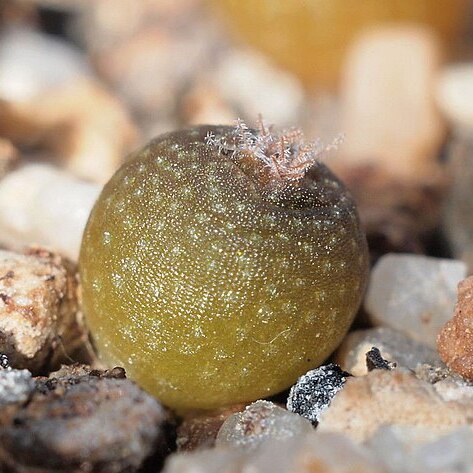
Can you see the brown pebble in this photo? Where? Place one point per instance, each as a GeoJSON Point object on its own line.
{"type": "Point", "coordinates": [84, 420]}
{"type": "Point", "coordinates": [8, 155]}
{"type": "Point", "coordinates": [455, 341]}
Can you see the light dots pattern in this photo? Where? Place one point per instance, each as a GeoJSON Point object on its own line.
{"type": "Point", "coordinates": [192, 273]}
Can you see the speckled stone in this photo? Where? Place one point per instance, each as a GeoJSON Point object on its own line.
{"type": "Point", "coordinates": [314, 391]}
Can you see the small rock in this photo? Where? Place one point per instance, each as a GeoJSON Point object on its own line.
{"type": "Point", "coordinates": [306, 453]}
{"type": "Point", "coordinates": [451, 453]}
{"type": "Point", "coordinates": [215, 460]}
{"type": "Point", "coordinates": [38, 308]}
{"type": "Point", "coordinates": [455, 342]}
{"type": "Point", "coordinates": [200, 430]}
{"type": "Point", "coordinates": [260, 421]}
{"type": "Point", "coordinates": [454, 388]}
{"type": "Point", "coordinates": [389, 112]}
{"type": "Point", "coordinates": [414, 294]}
{"type": "Point", "coordinates": [43, 205]}
{"type": "Point", "coordinates": [392, 344]}
{"type": "Point", "coordinates": [314, 391]}
{"type": "Point", "coordinates": [413, 450]}
{"type": "Point", "coordinates": [145, 67]}
{"type": "Point", "coordinates": [90, 131]}
{"type": "Point", "coordinates": [15, 386]}
{"type": "Point", "coordinates": [394, 397]}
{"type": "Point", "coordinates": [4, 363]}
{"type": "Point", "coordinates": [92, 422]}
{"type": "Point", "coordinates": [449, 385]}
{"type": "Point", "coordinates": [374, 361]}
{"type": "Point", "coordinates": [392, 449]}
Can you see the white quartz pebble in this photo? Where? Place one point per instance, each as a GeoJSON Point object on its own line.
{"type": "Point", "coordinates": [414, 294]}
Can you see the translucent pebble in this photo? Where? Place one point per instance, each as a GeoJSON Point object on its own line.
{"type": "Point", "coordinates": [308, 452]}
{"type": "Point", "coordinates": [260, 421]}
{"type": "Point", "coordinates": [414, 294]}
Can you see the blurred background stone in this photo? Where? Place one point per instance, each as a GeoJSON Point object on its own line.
{"type": "Point", "coordinates": [8, 156]}
{"type": "Point", "coordinates": [32, 63]}
{"type": "Point", "coordinates": [45, 205]}
{"type": "Point", "coordinates": [458, 207]}
{"type": "Point", "coordinates": [414, 450]}
{"type": "Point", "coordinates": [388, 80]}
{"type": "Point", "coordinates": [454, 95]}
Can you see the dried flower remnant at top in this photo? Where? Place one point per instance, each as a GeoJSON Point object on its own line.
{"type": "Point", "coordinates": [283, 153]}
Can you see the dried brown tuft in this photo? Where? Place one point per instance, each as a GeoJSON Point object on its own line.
{"type": "Point", "coordinates": [284, 153]}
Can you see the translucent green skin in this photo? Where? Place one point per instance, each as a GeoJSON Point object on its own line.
{"type": "Point", "coordinates": [208, 288]}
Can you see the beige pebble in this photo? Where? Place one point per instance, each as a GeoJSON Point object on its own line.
{"type": "Point", "coordinates": [81, 125]}
{"type": "Point", "coordinates": [38, 308]}
{"type": "Point", "coordinates": [396, 398]}
{"type": "Point", "coordinates": [95, 130]}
